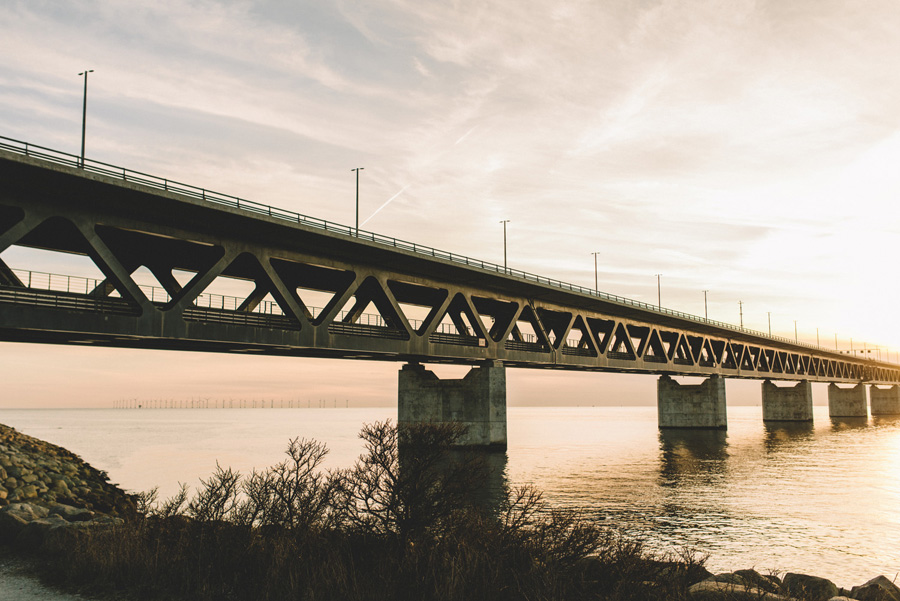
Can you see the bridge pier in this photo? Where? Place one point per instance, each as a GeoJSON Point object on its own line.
{"type": "Point", "coordinates": [477, 401]}
{"type": "Point", "coordinates": [787, 403]}
{"type": "Point", "coordinates": [691, 405]}
{"type": "Point", "coordinates": [847, 402]}
{"type": "Point", "coordinates": [884, 401]}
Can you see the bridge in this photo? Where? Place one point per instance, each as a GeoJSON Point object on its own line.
{"type": "Point", "coordinates": [313, 288]}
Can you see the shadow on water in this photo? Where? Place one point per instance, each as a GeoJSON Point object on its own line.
{"type": "Point", "coordinates": [885, 420]}
{"type": "Point", "coordinates": [487, 469]}
{"type": "Point", "coordinates": [782, 434]}
{"type": "Point", "coordinates": [849, 423]}
{"type": "Point", "coordinates": [492, 489]}
{"type": "Point", "coordinates": [686, 455]}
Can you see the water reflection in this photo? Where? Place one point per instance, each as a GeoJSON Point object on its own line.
{"type": "Point", "coordinates": [780, 435]}
{"type": "Point", "coordinates": [493, 484]}
{"type": "Point", "coordinates": [849, 423]}
{"type": "Point", "coordinates": [689, 455]}
{"type": "Point", "coordinates": [885, 420]}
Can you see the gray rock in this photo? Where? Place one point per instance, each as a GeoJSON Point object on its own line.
{"type": "Point", "coordinates": [33, 511]}
{"type": "Point", "coordinates": [750, 579]}
{"type": "Point", "coordinates": [72, 514]}
{"type": "Point", "coordinates": [10, 525]}
{"type": "Point", "coordinates": [710, 590]}
{"type": "Point", "coordinates": [36, 531]}
{"type": "Point", "coordinates": [812, 588]}
{"type": "Point", "coordinates": [876, 589]}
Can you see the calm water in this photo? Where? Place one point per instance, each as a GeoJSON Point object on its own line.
{"type": "Point", "coordinates": [822, 499]}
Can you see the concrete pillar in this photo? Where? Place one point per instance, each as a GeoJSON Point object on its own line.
{"type": "Point", "coordinates": [477, 401]}
{"type": "Point", "coordinates": [691, 406]}
{"type": "Point", "coordinates": [847, 402]}
{"type": "Point", "coordinates": [884, 401]}
{"type": "Point", "coordinates": [787, 403]}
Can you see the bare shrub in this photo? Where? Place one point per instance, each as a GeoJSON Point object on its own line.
{"type": "Point", "coordinates": [293, 494]}
{"type": "Point", "coordinates": [407, 483]}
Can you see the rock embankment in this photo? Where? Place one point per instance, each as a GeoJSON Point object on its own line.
{"type": "Point", "coordinates": [750, 585]}
{"type": "Point", "coordinates": [44, 487]}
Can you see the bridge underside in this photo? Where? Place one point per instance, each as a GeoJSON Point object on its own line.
{"type": "Point", "coordinates": [173, 272]}
{"type": "Point", "coordinates": [181, 273]}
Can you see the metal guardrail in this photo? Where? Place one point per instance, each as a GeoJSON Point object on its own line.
{"type": "Point", "coordinates": [249, 206]}
{"type": "Point", "coordinates": [224, 306]}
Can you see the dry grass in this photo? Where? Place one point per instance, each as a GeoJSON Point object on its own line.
{"type": "Point", "coordinates": [402, 523]}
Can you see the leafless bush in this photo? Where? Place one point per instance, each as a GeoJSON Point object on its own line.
{"type": "Point", "coordinates": [407, 483]}
{"type": "Point", "coordinates": [293, 494]}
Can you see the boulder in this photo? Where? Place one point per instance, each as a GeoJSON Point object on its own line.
{"type": "Point", "coordinates": [876, 589]}
{"type": "Point", "coordinates": [35, 532]}
{"type": "Point", "coordinates": [750, 579]}
{"type": "Point", "coordinates": [30, 511]}
{"type": "Point", "coordinates": [10, 525]}
{"type": "Point", "coordinates": [710, 590]}
{"type": "Point", "coordinates": [72, 514]}
{"type": "Point", "coordinates": [811, 588]}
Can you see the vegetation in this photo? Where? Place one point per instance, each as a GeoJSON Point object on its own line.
{"type": "Point", "coordinates": [405, 522]}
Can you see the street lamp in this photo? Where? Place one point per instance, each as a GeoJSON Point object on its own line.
{"type": "Point", "coordinates": [770, 322]}
{"type": "Point", "coordinates": [84, 113]}
{"type": "Point", "coordinates": [596, 281]}
{"type": "Point", "coordinates": [795, 332]}
{"type": "Point", "coordinates": [658, 292]}
{"type": "Point", "coordinates": [741, 312]}
{"type": "Point", "coordinates": [358, 169]}
{"type": "Point", "coordinates": [504, 222]}
{"type": "Point", "coordinates": [705, 306]}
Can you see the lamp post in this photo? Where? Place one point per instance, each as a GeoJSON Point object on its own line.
{"type": "Point", "coordinates": [596, 281]}
{"type": "Point", "coordinates": [504, 222]}
{"type": "Point", "coordinates": [795, 332]}
{"type": "Point", "coordinates": [358, 169]}
{"type": "Point", "coordinates": [705, 306]}
{"type": "Point", "coordinates": [84, 113]}
{"type": "Point", "coordinates": [658, 292]}
{"type": "Point", "coordinates": [741, 312]}
{"type": "Point", "coordinates": [770, 322]}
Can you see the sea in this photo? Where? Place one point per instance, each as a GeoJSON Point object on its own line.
{"type": "Point", "coordinates": [820, 498]}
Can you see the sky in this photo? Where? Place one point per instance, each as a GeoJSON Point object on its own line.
{"type": "Point", "coordinates": [743, 147]}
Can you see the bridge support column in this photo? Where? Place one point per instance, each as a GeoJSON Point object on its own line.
{"type": "Point", "coordinates": [477, 401]}
{"type": "Point", "coordinates": [847, 402]}
{"type": "Point", "coordinates": [691, 406]}
{"type": "Point", "coordinates": [884, 401]}
{"type": "Point", "coordinates": [787, 403]}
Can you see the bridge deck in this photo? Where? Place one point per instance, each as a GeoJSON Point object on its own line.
{"type": "Point", "coordinates": [381, 298]}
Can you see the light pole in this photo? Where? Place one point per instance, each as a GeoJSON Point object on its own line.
{"type": "Point", "coordinates": [770, 322]}
{"type": "Point", "coordinates": [358, 169]}
{"type": "Point", "coordinates": [658, 292]}
{"type": "Point", "coordinates": [795, 332]}
{"type": "Point", "coordinates": [504, 222]}
{"type": "Point", "coordinates": [596, 281]}
{"type": "Point", "coordinates": [84, 113]}
{"type": "Point", "coordinates": [741, 311]}
{"type": "Point", "coordinates": [705, 306]}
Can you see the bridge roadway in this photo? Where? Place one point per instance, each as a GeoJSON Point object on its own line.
{"type": "Point", "coordinates": [381, 298]}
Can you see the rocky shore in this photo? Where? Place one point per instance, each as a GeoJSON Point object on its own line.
{"type": "Point", "coordinates": [750, 585]}
{"type": "Point", "coordinates": [44, 488]}
{"type": "Point", "coordinates": [49, 494]}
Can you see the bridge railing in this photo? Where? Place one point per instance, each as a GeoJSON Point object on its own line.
{"type": "Point", "coordinates": [78, 285]}
{"type": "Point", "coordinates": [92, 166]}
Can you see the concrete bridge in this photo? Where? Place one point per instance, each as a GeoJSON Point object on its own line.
{"type": "Point", "coordinates": [318, 289]}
